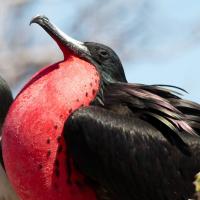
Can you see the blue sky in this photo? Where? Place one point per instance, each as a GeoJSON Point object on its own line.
{"type": "Point", "coordinates": [172, 23]}
{"type": "Point", "coordinates": [183, 69]}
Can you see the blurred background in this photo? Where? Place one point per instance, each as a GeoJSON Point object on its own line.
{"type": "Point", "coordinates": [157, 41]}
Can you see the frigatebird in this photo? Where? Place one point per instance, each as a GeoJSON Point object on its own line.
{"type": "Point", "coordinates": [5, 101]}
{"type": "Point", "coordinates": [6, 191]}
{"type": "Point", "coordinates": [79, 130]}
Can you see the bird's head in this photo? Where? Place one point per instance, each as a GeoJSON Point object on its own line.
{"type": "Point", "coordinates": [101, 56]}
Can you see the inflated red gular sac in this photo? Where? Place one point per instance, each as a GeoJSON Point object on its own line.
{"type": "Point", "coordinates": [79, 131]}
{"type": "Point", "coordinates": [34, 151]}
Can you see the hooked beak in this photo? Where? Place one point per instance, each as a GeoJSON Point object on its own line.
{"type": "Point", "coordinates": [64, 41]}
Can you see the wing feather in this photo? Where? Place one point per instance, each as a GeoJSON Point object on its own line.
{"type": "Point", "coordinates": [129, 156]}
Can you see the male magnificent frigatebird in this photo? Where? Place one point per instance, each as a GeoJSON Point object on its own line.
{"type": "Point", "coordinates": [79, 131]}
{"type": "Point", "coordinates": [6, 191]}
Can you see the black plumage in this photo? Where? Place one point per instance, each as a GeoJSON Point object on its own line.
{"type": "Point", "coordinates": [5, 101]}
{"type": "Point", "coordinates": [135, 141]}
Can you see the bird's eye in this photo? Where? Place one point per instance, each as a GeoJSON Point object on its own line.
{"type": "Point", "coordinates": [103, 53]}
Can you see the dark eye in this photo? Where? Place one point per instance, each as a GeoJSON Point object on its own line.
{"type": "Point", "coordinates": [103, 53]}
